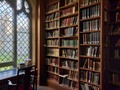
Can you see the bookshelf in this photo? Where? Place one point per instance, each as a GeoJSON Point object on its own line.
{"type": "Point", "coordinates": [52, 40]}
{"type": "Point", "coordinates": [76, 43]}
{"type": "Point", "coordinates": [90, 45]}
{"type": "Point", "coordinates": [114, 45]}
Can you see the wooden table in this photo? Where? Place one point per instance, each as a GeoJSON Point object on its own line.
{"type": "Point", "coordinates": [8, 74]}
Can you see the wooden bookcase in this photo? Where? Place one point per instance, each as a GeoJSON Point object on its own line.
{"type": "Point", "coordinates": [76, 44]}
{"type": "Point", "coordinates": [114, 45]}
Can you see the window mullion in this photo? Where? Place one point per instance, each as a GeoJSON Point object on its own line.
{"type": "Point", "coordinates": [15, 38]}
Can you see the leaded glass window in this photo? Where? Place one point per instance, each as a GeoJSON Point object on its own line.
{"type": "Point", "coordinates": [15, 32]}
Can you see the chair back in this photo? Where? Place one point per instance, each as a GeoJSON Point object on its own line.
{"type": "Point", "coordinates": [25, 74]}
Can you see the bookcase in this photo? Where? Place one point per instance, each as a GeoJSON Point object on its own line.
{"type": "Point", "coordinates": [114, 45]}
{"type": "Point", "coordinates": [76, 43]}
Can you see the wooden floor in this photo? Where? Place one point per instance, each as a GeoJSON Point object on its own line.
{"type": "Point", "coordinates": [44, 88]}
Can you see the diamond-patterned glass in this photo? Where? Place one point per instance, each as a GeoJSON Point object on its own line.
{"type": "Point", "coordinates": [19, 4]}
{"type": "Point", "coordinates": [8, 44]}
{"type": "Point", "coordinates": [26, 7]}
{"type": "Point", "coordinates": [23, 37]}
{"type": "Point", "coordinates": [6, 33]}
{"type": "Point", "coordinates": [6, 68]}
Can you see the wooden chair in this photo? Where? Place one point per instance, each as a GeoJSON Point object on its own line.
{"type": "Point", "coordinates": [4, 85]}
{"type": "Point", "coordinates": [26, 79]}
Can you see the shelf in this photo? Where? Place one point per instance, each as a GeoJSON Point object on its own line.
{"type": "Point", "coordinates": [115, 84]}
{"type": "Point", "coordinates": [64, 47]}
{"type": "Point", "coordinates": [69, 58]}
{"type": "Point", "coordinates": [117, 47]}
{"type": "Point", "coordinates": [53, 73]}
{"type": "Point", "coordinates": [52, 46]}
{"type": "Point", "coordinates": [53, 65]}
{"type": "Point", "coordinates": [118, 59]}
{"type": "Point", "coordinates": [52, 56]}
{"type": "Point", "coordinates": [114, 23]}
{"type": "Point", "coordinates": [114, 71]}
{"type": "Point", "coordinates": [89, 44]}
{"type": "Point", "coordinates": [83, 32]}
{"type": "Point", "coordinates": [76, 80]}
{"type": "Point", "coordinates": [89, 83]}
{"type": "Point", "coordinates": [52, 20]}
{"type": "Point", "coordinates": [114, 34]}
{"type": "Point", "coordinates": [69, 26]}
{"type": "Point", "coordinates": [50, 12]}
{"type": "Point", "coordinates": [86, 69]}
{"type": "Point", "coordinates": [67, 68]}
{"type": "Point", "coordinates": [52, 3]}
{"type": "Point", "coordinates": [92, 18]}
{"type": "Point", "coordinates": [83, 56]}
{"type": "Point", "coordinates": [52, 38]}
{"type": "Point", "coordinates": [69, 5]}
{"type": "Point", "coordinates": [115, 10]}
{"type": "Point", "coordinates": [62, 37]}
{"type": "Point", "coordinates": [70, 15]}
{"type": "Point", "coordinates": [52, 28]}
{"type": "Point", "coordinates": [87, 6]}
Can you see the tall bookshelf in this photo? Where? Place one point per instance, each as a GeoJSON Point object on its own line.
{"type": "Point", "coordinates": [92, 42]}
{"type": "Point", "coordinates": [52, 40]}
{"type": "Point", "coordinates": [114, 45]}
{"type": "Point", "coordinates": [69, 43]}
{"type": "Point", "coordinates": [76, 43]}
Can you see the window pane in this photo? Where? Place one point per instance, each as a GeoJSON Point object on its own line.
{"type": "Point", "coordinates": [26, 7]}
{"type": "Point", "coordinates": [19, 4]}
{"type": "Point", "coordinates": [23, 37]}
{"type": "Point", "coordinates": [6, 32]}
{"type": "Point", "coordinates": [6, 68]}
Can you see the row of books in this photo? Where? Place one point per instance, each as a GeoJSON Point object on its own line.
{"type": "Point", "coordinates": [69, 1]}
{"type": "Point", "coordinates": [69, 53]}
{"type": "Point", "coordinates": [52, 69]}
{"type": "Point", "coordinates": [117, 53]}
{"type": "Point", "coordinates": [69, 83]}
{"type": "Point", "coordinates": [88, 2]}
{"type": "Point", "coordinates": [115, 30]}
{"type": "Point", "coordinates": [69, 11]}
{"type": "Point", "coordinates": [91, 64]}
{"type": "Point", "coordinates": [54, 77]}
{"type": "Point", "coordinates": [51, 34]}
{"type": "Point", "coordinates": [93, 51]}
{"type": "Point", "coordinates": [52, 7]}
{"type": "Point", "coordinates": [94, 65]}
{"type": "Point", "coordinates": [73, 75]}
{"type": "Point", "coordinates": [90, 77]}
{"type": "Point", "coordinates": [53, 42]}
{"type": "Point", "coordinates": [69, 21]}
{"type": "Point", "coordinates": [52, 16]}
{"type": "Point", "coordinates": [72, 31]}
{"type": "Point", "coordinates": [115, 78]}
{"type": "Point", "coordinates": [53, 52]}
{"type": "Point", "coordinates": [85, 86]}
{"type": "Point", "coordinates": [91, 38]}
{"type": "Point", "coordinates": [53, 24]}
{"type": "Point", "coordinates": [91, 25]}
{"type": "Point", "coordinates": [70, 43]}
{"type": "Point", "coordinates": [90, 12]}
{"type": "Point", "coordinates": [118, 43]}
{"type": "Point", "coordinates": [70, 64]}
{"type": "Point", "coordinates": [52, 61]}
{"type": "Point", "coordinates": [118, 17]}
